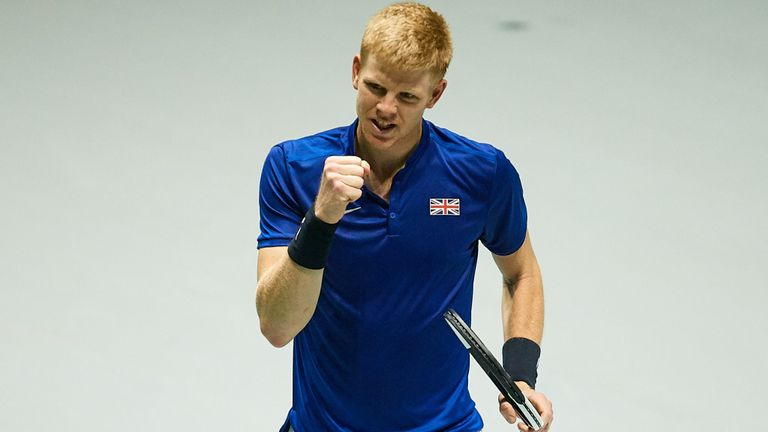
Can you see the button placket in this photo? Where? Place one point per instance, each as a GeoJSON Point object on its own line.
{"type": "Point", "coordinates": [393, 215]}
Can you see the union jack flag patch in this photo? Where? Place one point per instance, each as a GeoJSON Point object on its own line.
{"type": "Point", "coordinates": [444, 207]}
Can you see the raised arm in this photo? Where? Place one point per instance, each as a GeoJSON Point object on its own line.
{"type": "Point", "coordinates": [289, 278]}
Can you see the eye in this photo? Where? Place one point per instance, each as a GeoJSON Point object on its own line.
{"type": "Point", "coordinates": [375, 88]}
{"type": "Point", "coordinates": [408, 97]}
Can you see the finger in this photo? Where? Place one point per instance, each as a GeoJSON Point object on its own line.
{"type": "Point", "coordinates": [352, 181]}
{"type": "Point", "coordinates": [335, 181]}
{"type": "Point", "coordinates": [346, 169]}
{"type": "Point", "coordinates": [544, 407]}
{"type": "Point", "coordinates": [547, 421]}
{"type": "Point", "coordinates": [508, 412]}
{"type": "Point", "coordinates": [347, 193]}
{"type": "Point", "coordinates": [366, 167]}
{"type": "Point", "coordinates": [352, 160]}
{"type": "Point", "coordinates": [337, 189]}
{"type": "Point", "coordinates": [354, 194]}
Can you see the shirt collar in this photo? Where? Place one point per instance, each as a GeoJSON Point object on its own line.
{"type": "Point", "coordinates": [424, 142]}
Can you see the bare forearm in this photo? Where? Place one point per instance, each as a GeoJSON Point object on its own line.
{"type": "Point", "coordinates": [286, 297]}
{"type": "Point", "coordinates": [287, 293]}
{"type": "Point", "coordinates": [523, 307]}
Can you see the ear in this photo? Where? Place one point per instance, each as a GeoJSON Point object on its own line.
{"type": "Point", "coordinates": [437, 92]}
{"type": "Point", "coordinates": [356, 66]}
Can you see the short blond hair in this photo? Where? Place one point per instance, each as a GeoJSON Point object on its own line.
{"type": "Point", "coordinates": [408, 37]}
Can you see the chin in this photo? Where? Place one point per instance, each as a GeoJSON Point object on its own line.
{"type": "Point", "coordinates": [383, 144]}
{"type": "Point", "coordinates": [379, 143]}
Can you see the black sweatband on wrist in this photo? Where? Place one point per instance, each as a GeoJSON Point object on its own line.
{"type": "Point", "coordinates": [309, 248]}
{"type": "Point", "coordinates": [521, 358]}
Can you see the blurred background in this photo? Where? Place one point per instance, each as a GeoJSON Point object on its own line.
{"type": "Point", "coordinates": [132, 136]}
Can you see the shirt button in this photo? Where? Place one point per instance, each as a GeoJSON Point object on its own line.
{"type": "Point", "coordinates": [392, 215]}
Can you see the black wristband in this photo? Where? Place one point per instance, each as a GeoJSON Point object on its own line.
{"type": "Point", "coordinates": [521, 357]}
{"type": "Point", "coordinates": [309, 248]}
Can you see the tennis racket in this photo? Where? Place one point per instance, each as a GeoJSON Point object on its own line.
{"type": "Point", "coordinates": [493, 369]}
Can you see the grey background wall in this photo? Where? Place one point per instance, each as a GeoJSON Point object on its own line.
{"type": "Point", "coordinates": [131, 140]}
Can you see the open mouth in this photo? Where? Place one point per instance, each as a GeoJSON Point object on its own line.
{"type": "Point", "coordinates": [382, 126]}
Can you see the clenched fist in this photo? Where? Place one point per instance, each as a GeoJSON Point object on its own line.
{"type": "Point", "coordinates": [341, 183]}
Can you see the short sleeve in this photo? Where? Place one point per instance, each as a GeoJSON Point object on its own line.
{"type": "Point", "coordinates": [506, 223]}
{"type": "Point", "coordinates": [279, 212]}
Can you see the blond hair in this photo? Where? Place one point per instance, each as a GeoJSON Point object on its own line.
{"type": "Point", "coordinates": [408, 37]}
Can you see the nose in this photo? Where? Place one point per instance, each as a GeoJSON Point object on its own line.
{"type": "Point", "coordinates": [387, 106]}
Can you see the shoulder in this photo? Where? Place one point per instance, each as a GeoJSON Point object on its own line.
{"type": "Point", "coordinates": [293, 167]}
{"type": "Point", "coordinates": [317, 146]}
{"type": "Point", "coordinates": [460, 149]}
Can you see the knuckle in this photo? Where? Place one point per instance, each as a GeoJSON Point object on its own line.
{"type": "Point", "coordinates": [338, 187]}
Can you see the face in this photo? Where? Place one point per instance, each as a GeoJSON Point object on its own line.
{"type": "Point", "coordinates": [390, 105]}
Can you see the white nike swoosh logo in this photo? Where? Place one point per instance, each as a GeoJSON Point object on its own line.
{"type": "Point", "coordinates": [351, 210]}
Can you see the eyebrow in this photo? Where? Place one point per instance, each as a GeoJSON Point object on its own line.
{"type": "Point", "coordinates": [368, 81]}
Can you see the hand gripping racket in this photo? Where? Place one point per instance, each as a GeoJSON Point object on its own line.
{"type": "Point", "coordinates": [493, 369]}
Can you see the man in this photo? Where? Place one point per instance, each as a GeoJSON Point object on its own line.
{"type": "Point", "coordinates": [369, 233]}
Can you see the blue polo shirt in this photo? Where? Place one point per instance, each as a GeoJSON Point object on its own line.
{"type": "Point", "coordinates": [377, 354]}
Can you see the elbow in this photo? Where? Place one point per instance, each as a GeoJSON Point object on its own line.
{"type": "Point", "coordinates": [277, 341]}
{"type": "Point", "coordinates": [271, 332]}
{"type": "Point", "coordinates": [275, 337]}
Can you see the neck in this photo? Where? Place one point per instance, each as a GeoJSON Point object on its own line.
{"type": "Point", "coordinates": [385, 163]}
